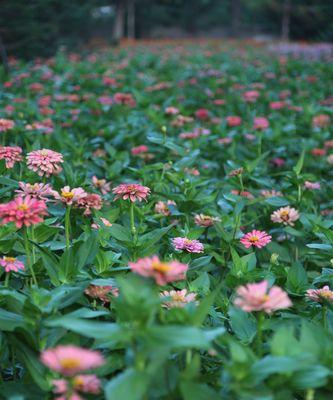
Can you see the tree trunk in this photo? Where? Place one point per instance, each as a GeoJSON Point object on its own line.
{"type": "Point", "coordinates": [285, 29]}
{"type": "Point", "coordinates": [131, 19]}
{"type": "Point", "coordinates": [119, 23]}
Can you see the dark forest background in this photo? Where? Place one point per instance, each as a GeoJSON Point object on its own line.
{"type": "Point", "coordinates": [30, 28]}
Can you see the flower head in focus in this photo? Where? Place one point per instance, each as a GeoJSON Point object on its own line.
{"type": "Point", "coordinates": [11, 264]}
{"type": "Point", "coordinates": [131, 191]}
{"type": "Point", "coordinates": [256, 239]}
{"type": "Point", "coordinates": [45, 162]}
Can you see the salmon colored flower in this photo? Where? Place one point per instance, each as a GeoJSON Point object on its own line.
{"type": "Point", "coordinates": [70, 196]}
{"type": "Point", "coordinates": [163, 208]}
{"type": "Point", "coordinates": [257, 297]}
{"type": "Point", "coordinates": [162, 271]}
{"type": "Point", "coordinates": [256, 239]}
{"type": "Point", "coordinates": [233, 121]}
{"type": "Point", "coordinates": [131, 191]}
{"type": "Point", "coordinates": [39, 191]}
{"type": "Point", "coordinates": [101, 184]}
{"type": "Point", "coordinates": [69, 360]}
{"type": "Point", "coordinates": [6, 124]}
{"type": "Point", "coordinates": [177, 298]}
{"type": "Point", "coordinates": [205, 220]}
{"type": "Point", "coordinates": [11, 264]}
{"type": "Point", "coordinates": [171, 110]}
{"type": "Point", "coordinates": [285, 215]}
{"type": "Point", "coordinates": [191, 246]}
{"type": "Point", "coordinates": [102, 293]}
{"type": "Point", "coordinates": [45, 162]}
{"type": "Point", "coordinates": [11, 155]}
{"type": "Point", "coordinates": [23, 211]}
{"type": "Point", "coordinates": [320, 295]}
{"type": "Point", "coordinates": [321, 121]}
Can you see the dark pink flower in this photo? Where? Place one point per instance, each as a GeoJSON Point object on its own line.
{"type": "Point", "coordinates": [11, 155]}
{"type": "Point", "coordinates": [256, 239]}
{"type": "Point", "coordinates": [131, 191]}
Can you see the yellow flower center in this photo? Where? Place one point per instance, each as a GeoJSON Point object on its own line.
{"type": "Point", "coordinates": [253, 239]}
{"type": "Point", "coordinates": [161, 267]}
{"type": "Point", "coordinates": [10, 259]}
{"type": "Point", "coordinates": [178, 297]}
{"type": "Point", "coordinates": [70, 363]}
{"type": "Point", "coordinates": [22, 207]}
{"type": "Point", "coordinates": [284, 214]}
{"type": "Point", "coordinates": [67, 195]}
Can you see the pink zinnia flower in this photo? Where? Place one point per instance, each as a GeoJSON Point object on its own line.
{"type": "Point", "coordinates": [139, 149]}
{"type": "Point", "coordinates": [89, 202]}
{"type": "Point", "coordinates": [177, 298]}
{"type": "Point", "coordinates": [202, 114]}
{"type": "Point", "coordinates": [23, 211]}
{"type": "Point", "coordinates": [256, 239]}
{"type": "Point", "coordinates": [271, 193]}
{"type": "Point", "coordinates": [124, 98]}
{"type": "Point", "coordinates": [192, 246]}
{"type": "Point", "coordinates": [131, 191]}
{"type": "Point", "coordinates": [260, 123]}
{"type": "Point", "coordinates": [285, 215]}
{"type": "Point", "coordinates": [6, 124]}
{"type": "Point", "coordinates": [11, 264]}
{"type": "Point", "coordinates": [163, 208]}
{"type": "Point", "coordinates": [45, 162]}
{"type": "Point", "coordinates": [101, 184]}
{"type": "Point", "coordinates": [321, 121]}
{"type": "Point", "coordinates": [277, 105]}
{"type": "Point", "coordinates": [105, 222]}
{"type": "Point", "coordinates": [312, 185]}
{"type": "Point", "coordinates": [205, 220]}
{"type": "Point", "coordinates": [11, 155]}
{"type": "Point", "coordinates": [69, 360]}
{"type": "Point", "coordinates": [102, 293]}
{"type": "Point", "coordinates": [257, 297]}
{"type": "Point", "coordinates": [171, 110]}
{"type": "Point", "coordinates": [251, 96]}
{"type": "Point", "coordinates": [38, 191]}
{"type": "Point", "coordinates": [162, 272]}
{"type": "Point", "coordinates": [69, 196]}
{"type": "Point", "coordinates": [233, 121]}
{"type": "Point", "coordinates": [320, 295]}
{"type": "Point", "coordinates": [87, 384]}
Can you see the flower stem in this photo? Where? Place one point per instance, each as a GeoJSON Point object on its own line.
{"type": "Point", "coordinates": [133, 229]}
{"type": "Point", "coordinates": [260, 321]}
{"type": "Point", "coordinates": [7, 279]}
{"type": "Point", "coordinates": [324, 311]}
{"type": "Point", "coordinates": [28, 256]}
{"type": "Point", "coordinates": [68, 226]}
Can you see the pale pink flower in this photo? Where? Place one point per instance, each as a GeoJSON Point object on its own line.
{"type": "Point", "coordinates": [320, 295]}
{"type": "Point", "coordinates": [285, 215]}
{"type": "Point", "coordinates": [162, 271]}
{"type": "Point", "coordinates": [271, 193]}
{"type": "Point", "coordinates": [191, 246]}
{"type": "Point", "coordinates": [312, 185]}
{"type": "Point", "coordinates": [39, 191]}
{"type": "Point", "coordinates": [225, 140]}
{"type": "Point", "coordinates": [257, 297]}
{"type": "Point", "coordinates": [69, 360]}
{"type": "Point", "coordinates": [23, 211]}
{"type": "Point", "coordinates": [330, 159]}
{"type": "Point", "coordinates": [6, 124]}
{"type": "Point", "coordinates": [205, 220]}
{"type": "Point", "coordinates": [102, 293]}
{"type": "Point", "coordinates": [11, 264]}
{"type": "Point", "coordinates": [171, 110]}
{"type": "Point", "coordinates": [260, 123]}
{"type": "Point", "coordinates": [45, 162]}
{"type": "Point", "coordinates": [101, 184]}
{"type": "Point", "coordinates": [105, 222]}
{"type": "Point", "coordinates": [189, 135]}
{"type": "Point", "coordinates": [131, 191]}
{"type": "Point", "coordinates": [177, 298]}
{"type": "Point", "coordinates": [256, 239]}
{"type": "Point", "coordinates": [87, 384]}
{"type": "Point", "coordinates": [321, 121]}
{"type": "Point", "coordinates": [89, 202]}
{"type": "Point", "coordinates": [70, 196]}
{"type": "Point", "coordinates": [163, 208]}
{"type": "Point", "coordinates": [11, 155]}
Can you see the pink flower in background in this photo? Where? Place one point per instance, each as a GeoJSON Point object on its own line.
{"type": "Point", "coordinates": [256, 239]}
{"type": "Point", "coordinates": [163, 208]}
{"type": "Point", "coordinates": [205, 220]}
{"type": "Point", "coordinates": [89, 202]}
{"type": "Point", "coordinates": [260, 123]}
{"type": "Point", "coordinates": [11, 155]}
{"type": "Point", "coordinates": [225, 140]}
{"type": "Point", "coordinates": [320, 295]}
{"type": "Point", "coordinates": [189, 135]}
{"type": "Point", "coordinates": [285, 215]}
{"type": "Point", "coordinates": [6, 124]}
{"type": "Point", "coordinates": [202, 113]}
{"type": "Point", "coordinates": [257, 297]}
{"type": "Point", "coordinates": [70, 196]}
{"type": "Point", "coordinates": [271, 193]}
{"type": "Point", "coordinates": [101, 184]}
{"type": "Point", "coordinates": [11, 264]}
{"type": "Point", "coordinates": [251, 96]}
{"type": "Point", "coordinates": [277, 105]}
{"type": "Point", "coordinates": [38, 191]}
{"type": "Point", "coordinates": [105, 100]}
{"type": "Point", "coordinates": [177, 298]}
{"type": "Point", "coordinates": [23, 211]}
{"type": "Point", "coordinates": [45, 162]}
{"type": "Point", "coordinates": [131, 191]}
{"type": "Point", "coordinates": [104, 221]}
{"type": "Point", "coordinates": [124, 98]}
{"type": "Point", "coordinates": [139, 149]}
{"type": "Point", "coordinates": [87, 384]}
{"type": "Point", "coordinates": [321, 121]}
{"type": "Point", "coordinates": [278, 162]}
{"type": "Point", "coordinates": [233, 121]}
{"type": "Point", "coordinates": [243, 193]}
{"type": "Point", "coordinates": [69, 360]}
{"type": "Point", "coordinates": [312, 185]}
{"type": "Point", "coordinates": [171, 110]}
{"type": "Point", "coordinates": [102, 293]}
{"type": "Point", "coordinates": [162, 271]}
{"type": "Point", "coordinates": [192, 246]}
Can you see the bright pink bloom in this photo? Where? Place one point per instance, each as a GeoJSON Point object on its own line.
{"type": "Point", "coordinates": [277, 105]}
{"type": "Point", "coordinates": [11, 264]}
{"type": "Point", "coordinates": [233, 121]}
{"type": "Point", "coordinates": [23, 211]}
{"type": "Point", "coordinates": [6, 124]}
{"type": "Point", "coordinates": [320, 295]}
{"type": "Point", "coordinates": [202, 113]}
{"type": "Point", "coordinates": [70, 196]}
{"type": "Point", "coordinates": [257, 297]}
{"type": "Point", "coordinates": [256, 239]}
{"type": "Point", "coordinates": [45, 162]}
{"type": "Point", "coordinates": [177, 298]}
{"type": "Point", "coordinates": [260, 123]}
{"type": "Point", "coordinates": [69, 360]}
{"type": "Point", "coordinates": [38, 191]}
{"type": "Point", "coordinates": [192, 246]}
{"type": "Point", "coordinates": [139, 149]}
{"type": "Point", "coordinates": [162, 271]}
{"type": "Point", "coordinates": [131, 191]}
{"type": "Point", "coordinates": [11, 155]}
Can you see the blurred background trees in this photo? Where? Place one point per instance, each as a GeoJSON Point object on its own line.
{"type": "Point", "coordinates": [30, 28]}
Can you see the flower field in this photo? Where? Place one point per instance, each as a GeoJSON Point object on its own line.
{"type": "Point", "coordinates": [166, 225]}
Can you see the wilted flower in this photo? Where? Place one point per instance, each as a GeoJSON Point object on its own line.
{"type": "Point", "coordinates": [162, 271]}
{"type": "Point", "coordinates": [131, 191]}
{"type": "Point", "coordinates": [257, 297]}
{"type": "Point", "coordinates": [11, 155]}
{"type": "Point", "coordinates": [205, 220]}
{"type": "Point", "coordinates": [38, 191]}
{"type": "Point", "coordinates": [6, 124]}
{"type": "Point", "coordinates": [23, 211]}
{"type": "Point", "coordinates": [243, 193]}
{"type": "Point", "coordinates": [11, 264]}
{"type": "Point", "coordinates": [177, 298]}
{"type": "Point", "coordinates": [101, 184]}
{"type": "Point", "coordinates": [70, 196]}
{"type": "Point", "coordinates": [320, 295]}
{"type": "Point", "coordinates": [285, 215]}
{"type": "Point", "coordinates": [256, 239]}
{"type": "Point", "coordinates": [69, 360]}
{"type": "Point", "coordinates": [102, 293]}
{"type": "Point", "coordinates": [162, 208]}
{"type": "Point", "coordinates": [191, 246]}
{"type": "Point", "coordinates": [45, 162]}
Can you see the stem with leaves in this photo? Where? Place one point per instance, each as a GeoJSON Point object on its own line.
{"type": "Point", "coordinates": [68, 226]}
{"type": "Point", "coordinates": [28, 255]}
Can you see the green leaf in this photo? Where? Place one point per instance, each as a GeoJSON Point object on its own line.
{"type": "Point", "coordinates": [297, 278]}
{"type": "Point", "coordinates": [298, 167]}
{"type": "Point", "coordinates": [197, 391]}
{"type": "Point", "coordinates": [121, 233]}
{"type": "Point", "coordinates": [10, 321]}
{"type": "Point", "coordinates": [243, 324]}
{"type": "Point", "coordinates": [87, 251]}
{"type": "Point", "coordinates": [129, 385]}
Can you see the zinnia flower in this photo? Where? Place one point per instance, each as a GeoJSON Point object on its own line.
{"type": "Point", "coordinates": [101, 292]}
{"type": "Point", "coordinates": [192, 246]}
{"type": "Point", "coordinates": [162, 271]}
{"type": "Point", "coordinates": [131, 191]}
{"type": "Point", "coordinates": [89, 202]}
{"type": "Point", "coordinates": [256, 239]}
{"type": "Point", "coordinates": [260, 123]}
{"type": "Point", "coordinates": [11, 264]}
{"type": "Point", "coordinates": [11, 155]}
{"type": "Point", "coordinates": [321, 121]}
{"type": "Point", "coordinates": [205, 220]}
{"type": "Point", "coordinates": [69, 360]}
{"type": "Point", "coordinates": [233, 121]}
{"type": "Point", "coordinates": [139, 149]}
{"type": "Point", "coordinates": [38, 191]}
{"type": "Point", "coordinates": [271, 193]}
{"type": "Point", "coordinates": [320, 295]}
{"type": "Point", "coordinates": [285, 215]}
{"type": "Point", "coordinates": [257, 297]}
{"type": "Point", "coordinates": [177, 298]}
{"type": "Point", "coordinates": [311, 185]}
{"type": "Point", "coordinates": [70, 196]}
{"type": "Point", "coordinates": [163, 208]}
{"type": "Point", "coordinates": [101, 184]}
{"type": "Point", "coordinates": [45, 162]}
{"type": "Point", "coordinates": [23, 211]}
{"type": "Point", "coordinates": [6, 124]}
